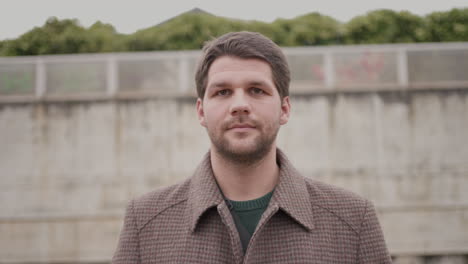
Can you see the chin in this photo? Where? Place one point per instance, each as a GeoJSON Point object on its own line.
{"type": "Point", "coordinates": [243, 145]}
{"type": "Point", "coordinates": [246, 148]}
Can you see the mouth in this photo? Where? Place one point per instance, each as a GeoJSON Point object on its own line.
{"type": "Point", "coordinates": [241, 127]}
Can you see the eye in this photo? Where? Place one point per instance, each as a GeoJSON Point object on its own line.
{"type": "Point", "coordinates": [256, 90]}
{"type": "Point", "coordinates": [223, 92]}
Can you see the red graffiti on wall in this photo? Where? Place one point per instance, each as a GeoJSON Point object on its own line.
{"type": "Point", "coordinates": [367, 68]}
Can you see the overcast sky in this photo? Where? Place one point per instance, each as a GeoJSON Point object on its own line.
{"type": "Point", "coordinates": [127, 16]}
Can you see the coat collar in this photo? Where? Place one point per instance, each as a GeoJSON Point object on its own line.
{"type": "Point", "coordinates": [203, 192]}
{"type": "Point", "coordinates": [291, 194]}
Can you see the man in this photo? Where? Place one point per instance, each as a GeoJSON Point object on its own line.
{"type": "Point", "coordinates": [245, 202]}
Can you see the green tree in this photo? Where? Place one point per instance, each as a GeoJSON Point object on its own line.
{"type": "Point", "coordinates": [266, 29]}
{"type": "Point", "coordinates": [102, 37]}
{"type": "Point", "coordinates": [385, 26]}
{"type": "Point", "coordinates": [447, 26]}
{"type": "Point", "coordinates": [306, 30]}
{"type": "Point", "coordinates": [55, 37]}
{"type": "Point", "coordinates": [188, 31]}
{"type": "Point", "coordinates": [65, 36]}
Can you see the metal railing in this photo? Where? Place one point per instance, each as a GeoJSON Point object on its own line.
{"type": "Point", "coordinates": [330, 68]}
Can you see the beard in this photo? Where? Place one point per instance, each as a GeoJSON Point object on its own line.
{"type": "Point", "coordinates": [236, 152]}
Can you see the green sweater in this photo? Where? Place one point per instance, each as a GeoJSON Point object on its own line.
{"type": "Point", "coordinates": [249, 213]}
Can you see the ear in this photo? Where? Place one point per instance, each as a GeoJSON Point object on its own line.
{"type": "Point", "coordinates": [200, 112]}
{"type": "Point", "coordinates": [285, 110]}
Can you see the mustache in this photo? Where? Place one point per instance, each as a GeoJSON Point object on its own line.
{"type": "Point", "coordinates": [240, 120]}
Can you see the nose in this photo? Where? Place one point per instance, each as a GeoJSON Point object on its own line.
{"type": "Point", "coordinates": [240, 104]}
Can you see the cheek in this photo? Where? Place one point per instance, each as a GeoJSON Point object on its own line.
{"type": "Point", "coordinates": [272, 113]}
{"type": "Point", "coordinates": [212, 115]}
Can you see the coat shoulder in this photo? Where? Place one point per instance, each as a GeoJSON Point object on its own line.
{"type": "Point", "coordinates": [341, 204]}
{"type": "Point", "coordinates": [148, 206]}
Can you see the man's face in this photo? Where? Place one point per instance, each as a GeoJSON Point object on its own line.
{"type": "Point", "coordinates": [242, 110]}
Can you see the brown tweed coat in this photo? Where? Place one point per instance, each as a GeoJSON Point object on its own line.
{"type": "Point", "coordinates": [305, 222]}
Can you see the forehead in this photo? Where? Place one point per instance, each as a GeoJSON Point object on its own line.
{"type": "Point", "coordinates": [228, 67]}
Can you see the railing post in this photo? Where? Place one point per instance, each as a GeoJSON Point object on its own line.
{"type": "Point", "coordinates": [402, 67]}
{"type": "Point", "coordinates": [40, 85]}
{"type": "Point", "coordinates": [112, 76]}
{"type": "Point", "coordinates": [183, 73]}
{"type": "Point", "coordinates": [329, 70]}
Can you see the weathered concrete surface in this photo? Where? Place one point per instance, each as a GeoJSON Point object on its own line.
{"type": "Point", "coordinates": [447, 260]}
{"type": "Point", "coordinates": [73, 239]}
{"type": "Point", "coordinates": [408, 260]}
{"type": "Point", "coordinates": [68, 169]}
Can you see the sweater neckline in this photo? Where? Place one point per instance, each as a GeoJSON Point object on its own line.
{"type": "Point", "coordinates": [258, 203]}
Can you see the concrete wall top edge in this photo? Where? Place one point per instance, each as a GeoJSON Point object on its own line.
{"type": "Point", "coordinates": [191, 53]}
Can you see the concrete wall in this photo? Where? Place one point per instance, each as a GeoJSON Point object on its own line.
{"type": "Point", "coordinates": [81, 135]}
{"type": "Point", "coordinates": [68, 168]}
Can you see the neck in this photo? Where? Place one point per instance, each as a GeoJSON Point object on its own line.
{"type": "Point", "coordinates": [242, 182]}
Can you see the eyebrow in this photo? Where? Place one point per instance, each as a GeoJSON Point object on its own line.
{"type": "Point", "coordinates": [227, 85]}
{"type": "Point", "coordinates": [219, 85]}
{"type": "Point", "coordinates": [257, 83]}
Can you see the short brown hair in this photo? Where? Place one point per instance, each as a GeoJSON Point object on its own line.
{"type": "Point", "coordinates": [245, 45]}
